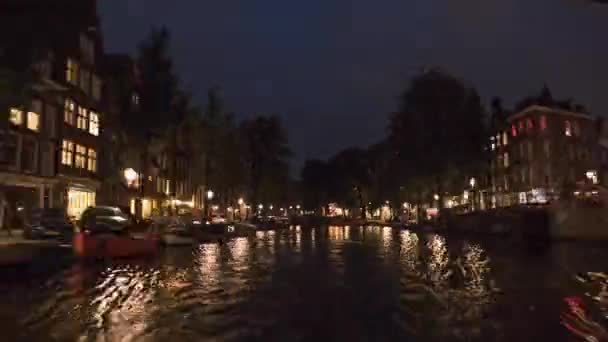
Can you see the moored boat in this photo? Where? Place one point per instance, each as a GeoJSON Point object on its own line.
{"type": "Point", "coordinates": [88, 245]}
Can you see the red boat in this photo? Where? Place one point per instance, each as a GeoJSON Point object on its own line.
{"type": "Point", "coordinates": [104, 233]}
{"type": "Point", "coordinates": [113, 246]}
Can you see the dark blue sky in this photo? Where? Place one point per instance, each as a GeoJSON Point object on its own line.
{"type": "Point", "coordinates": [333, 68]}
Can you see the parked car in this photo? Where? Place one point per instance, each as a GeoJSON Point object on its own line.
{"type": "Point", "coordinates": [48, 223]}
{"type": "Point", "coordinates": [218, 218]}
{"type": "Point", "coordinates": [105, 219]}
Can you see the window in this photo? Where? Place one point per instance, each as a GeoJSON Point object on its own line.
{"type": "Point", "coordinates": [167, 186]}
{"type": "Point", "coordinates": [505, 159]}
{"type": "Point", "coordinates": [547, 148]}
{"type": "Point", "coordinates": [92, 164]}
{"type": "Point", "coordinates": [577, 128]}
{"type": "Point", "coordinates": [96, 87]}
{"type": "Point", "coordinates": [28, 154]}
{"type": "Point", "coordinates": [85, 80]}
{"type": "Point", "coordinates": [71, 73]}
{"type": "Point", "coordinates": [69, 111]}
{"type": "Point", "coordinates": [135, 99]}
{"type": "Point", "coordinates": [529, 125]}
{"type": "Point", "coordinates": [520, 126]}
{"type": "Point", "coordinates": [81, 157]}
{"type": "Point", "coordinates": [530, 150]}
{"type": "Point", "coordinates": [67, 152]}
{"type": "Point", "coordinates": [567, 128]}
{"type": "Point", "coordinates": [16, 116]}
{"type": "Point", "coordinates": [8, 148]}
{"type": "Point", "coordinates": [33, 121]}
{"type": "Point", "coordinates": [93, 123]}
{"type": "Point", "coordinates": [87, 49]}
{"type": "Point", "coordinates": [513, 130]}
{"type": "Point", "coordinates": [50, 115]}
{"type": "Point", "coordinates": [505, 138]}
{"type": "Point", "coordinates": [543, 123]}
{"type": "Point", "coordinates": [82, 118]}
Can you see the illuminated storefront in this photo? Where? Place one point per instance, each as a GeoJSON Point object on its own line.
{"type": "Point", "coordinates": [79, 200]}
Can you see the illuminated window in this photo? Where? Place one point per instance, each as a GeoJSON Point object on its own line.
{"type": "Point", "coordinates": [67, 152]}
{"type": "Point", "coordinates": [92, 162]}
{"type": "Point", "coordinates": [505, 138]}
{"type": "Point", "coordinates": [543, 123]}
{"type": "Point", "coordinates": [82, 118]}
{"type": "Point", "coordinates": [520, 126]}
{"type": "Point", "coordinates": [167, 186]}
{"type": "Point", "coordinates": [33, 121]}
{"type": "Point", "coordinates": [513, 130]}
{"type": "Point", "coordinates": [577, 128]}
{"type": "Point", "coordinates": [71, 73]}
{"type": "Point", "coordinates": [498, 141]}
{"type": "Point", "coordinates": [93, 123]}
{"type": "Point", "coordinates": [505, 159]}
{"type": "Point", "coordinates": [81, 157]}
{"type": "Point", "coordinates": [135, 99]}
{"type": "Point", "coordinates": [69, 111]}
{"type": "Point", "coordinates": [16, 116]}
{"type": "Point", "coordinates": [567, 128]}
{"type": "Point", "coordinates": [529, 124]}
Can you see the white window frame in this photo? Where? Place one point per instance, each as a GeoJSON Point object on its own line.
{"type": "Point", "coordinates": [94, 123]}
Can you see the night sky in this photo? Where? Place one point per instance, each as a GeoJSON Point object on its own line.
{"type": "Point", "coordinates": [333, 68]}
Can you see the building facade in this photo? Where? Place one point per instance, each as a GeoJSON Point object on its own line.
{"type": "Point", "coordinates": [542, 151]}
{"type": "Point", "coordinates": [50, 147]}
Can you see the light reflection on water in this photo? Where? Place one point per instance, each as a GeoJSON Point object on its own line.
{"type": "Point", "coordinates": [271, 285]}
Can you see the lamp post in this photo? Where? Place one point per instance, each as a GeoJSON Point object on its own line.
{"type": "Point", "coordinates": [209, 198]}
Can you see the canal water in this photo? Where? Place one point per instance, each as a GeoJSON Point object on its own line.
{"type": "Point", "coordinates": [308, 284]}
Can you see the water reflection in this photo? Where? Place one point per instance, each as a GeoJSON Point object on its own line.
{"type": "Point", "coordinates": [269, 286]}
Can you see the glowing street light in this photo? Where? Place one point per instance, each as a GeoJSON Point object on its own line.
{"type": "Point", "coordinates": [472, 182]}
{"type": "Point", "coordinates": [436, 197]}
{"type": "Point", "coordinates": [241, 201]}
{"type": "Point", "coordinates": [298, 207]}
{"type": "Point", "coordinates": [270, 207]}
{"type": "Point", "coordinates": [210, 194]}
{"type": "Point", "coordinates": [260, 206]}
{"type": "Point", "coordinates": [130, 176]}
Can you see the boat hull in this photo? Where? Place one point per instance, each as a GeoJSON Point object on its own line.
{"type": "Point", "coordinates": [91, 246]}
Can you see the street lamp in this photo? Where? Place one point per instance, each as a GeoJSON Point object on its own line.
{"type": "Point", "coordinates": [260, 206]}
{"type": "Point", "coordinates": [298, 207]}
{"type": "Point", "coordinates": [241, 201]}
{"type": "Point", "coordinates": [270, 207]}
{"type": "Point", "coordinates": [472, 182]}
{"type": "Point", "coordinates": [210, 194]}
{"type": "Point", "coordinates": [130, 176]}
{"type": "Point", "coordinates": [436, 197]}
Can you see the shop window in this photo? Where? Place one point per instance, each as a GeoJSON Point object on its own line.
{"type": "Point", "coordinates": [67, 152]}
{"type": "Point", "coordinates": [505, 138]}
{"type": "Point", "coordinates": [93, 123]}
{"type": "Point", "coordinates": [80, 160]}
{"type": "Point", "coordinates": [69, 111]}
{"type": "Point", "coordinates": [9, 142]}
{"type": "Point", "coordinates": [16, 116]}
{"type": "Point", "coordinates": [78, 201]}
{"type": "Point", "coordinates": [82, 118]}
{"type": "Point", "coordinates": [92, 161]}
